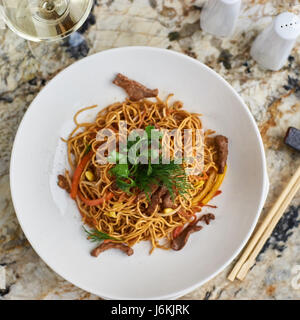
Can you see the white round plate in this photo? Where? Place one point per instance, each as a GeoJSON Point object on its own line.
{"type": "Point", "coordinates": [49, 218]}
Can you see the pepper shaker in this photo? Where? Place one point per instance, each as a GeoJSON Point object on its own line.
{"type": "Point", "coordinates": [219, 17]}
{"type": "Point", "coordinates": [272, 47]}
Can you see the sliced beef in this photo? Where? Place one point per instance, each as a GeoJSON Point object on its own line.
{"type": "Point", "coordinates": [222, 152]}
{"type": "Point", "coordinates": [114, 186]}
{"type": "Point", "coordinates": [156, 198]}
{"type": "Point", "coordinates": [207, 218]}
{"type": "Point", "coordinates": [162, 191]}
{"type": "Point", "coordinates": [168, 202]}
{"type": "Point", "coordinates": [179, 242]}
{"type": "Point", "coordinates": [111, 245]}
{"type": "Point", "coordinates": [142, 195]}
{"type": "Point", "coordinates": [135, 90]}
{"type": "Point", "coordinates": [62, 182]}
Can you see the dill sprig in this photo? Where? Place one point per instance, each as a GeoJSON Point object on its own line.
{"type": "Point", "coordinates": [171, 175]}
{"type": "Point", "coordinates": [96, 236]}
{"type": "Point", "coordinates": [143, 176]}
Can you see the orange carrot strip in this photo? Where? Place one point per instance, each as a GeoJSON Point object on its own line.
{"type": "Point", "coordinates": [95, 202]}
{"type": "Point", "coordinates": [209, 205]}
{"type": "Point", "coordinates": [77, 173]}
{"type": "Point", "coordinates": [216, 194]}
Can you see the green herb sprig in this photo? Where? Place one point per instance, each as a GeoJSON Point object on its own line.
{"type": "Point", "coordinates": [143, 176]}
{"type": "Point", "coordinates": [97, 236]}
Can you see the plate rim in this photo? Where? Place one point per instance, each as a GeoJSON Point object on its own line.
{"type": "Point", "coordinates": [263, 195]}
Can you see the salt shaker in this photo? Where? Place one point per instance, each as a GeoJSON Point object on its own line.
{"type": "Point", "coordinates": [272, 47]}
{"type": "Point", "coordinates": [219, 17]}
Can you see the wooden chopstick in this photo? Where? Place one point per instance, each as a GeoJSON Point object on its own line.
{"type": "Point", "coordinates": [264, 231]}
{"type": "Point", "coordinates": [251, 259]}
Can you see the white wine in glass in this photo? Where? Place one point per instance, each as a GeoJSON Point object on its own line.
{"type": "Point", "coordinates": [45, 20]}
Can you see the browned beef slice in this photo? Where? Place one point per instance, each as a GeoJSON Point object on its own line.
{"type": "Point", "coordinates": [63, 183]}
{"type": "Point", "coordinates": [207, 218]}
{"type": "Point", "coordinates": [111, 245]}
{"type": "Point", "coordinates": [222, 152]}
{"type": "Point", "coordinates": [135, 90]}
{"type": "Point", "coordinates": [168, 202]}
{"type": "Point", "coordinates": [142, 195]}
{"type": "Point", "coordinates": [156, 198]}
{"type": "Point", "coordinates": [179, 242]}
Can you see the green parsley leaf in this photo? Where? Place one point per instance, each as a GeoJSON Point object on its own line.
{"type": "Point", "coordinates": [120, 170]}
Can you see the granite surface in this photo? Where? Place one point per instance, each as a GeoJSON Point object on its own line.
{"type": "Point", "coordinates": [272, 97]}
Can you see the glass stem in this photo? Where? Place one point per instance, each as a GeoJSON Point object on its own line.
{"type": "Point", "coordinates": [48, 5]}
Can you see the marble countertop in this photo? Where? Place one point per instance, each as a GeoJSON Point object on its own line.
{"type": "Point", "coordinates": [272, 97]}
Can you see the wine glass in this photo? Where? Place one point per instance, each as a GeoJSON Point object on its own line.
{"type": "Point", "coordinates": [42, 21]}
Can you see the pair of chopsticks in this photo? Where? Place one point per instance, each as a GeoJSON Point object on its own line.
{"type": "Point", "coordinates": [264, 231]}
